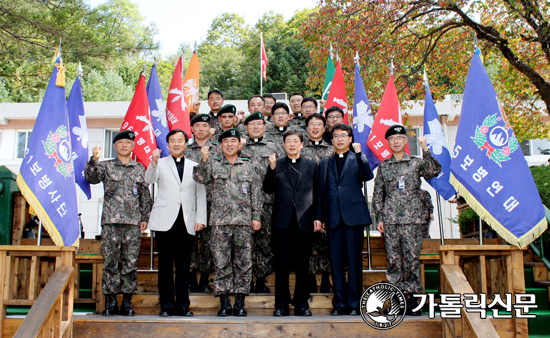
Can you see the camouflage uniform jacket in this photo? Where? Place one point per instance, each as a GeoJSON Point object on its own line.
{"type": "Point", "coordinates": [214, 122]}
{"type": "Point", "coordinates": [402, 206]}
{"type": "Point", "coordinates": [240, 127]}
{"type": "Point", "coordinates": [127, 199]}
{"type": "Point", "coordinates": [236, 191]}
{"type": "Point", "coordinates": [193, 151]}
{"type": "Point", "coordinates": [258, 153]}
{"type": "Point", "coordinates": [276, 136]}
{"type": "Point", "coordinates": [427, 206]}
{"type": "Point", "coordinates": [318, 152]}
{"type": "Point", "coordinates": [297, 121]}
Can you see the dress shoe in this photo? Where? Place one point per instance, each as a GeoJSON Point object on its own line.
{"type": "Point", "coordinates": [165, 313]}
{"type": "Point", "coordinates": [183, 312]}
{"type": "Point", "coordinates": [203, 283]}
{"type": "Point", "coordinates": [225, 306]}
{"type": "Point", "coordinates": [339, 311]}
{"type": "Point", "coordinates": [111, 306]}
{"type": "Point", "coordinates": [126, 307]}
{"type": "Point", "coordinates": [302, 311]}
{"type": "Point", "coordinates": [260, 286]}
{"type": "Point", "coordinates": [355, 312]}
{"type": "Point", "coordinates": [281, 312]}
{"type": "Point", "coordinates": [238, 308]}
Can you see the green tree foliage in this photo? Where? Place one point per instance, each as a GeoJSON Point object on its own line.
{"type": "Point", "coordinates": [541, 175]}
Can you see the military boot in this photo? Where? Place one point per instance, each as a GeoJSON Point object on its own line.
{"type": "Point", "coordinates": [313, 283]}
{"type": "Point", "coordinates": [412, 303]}
{"type": "Point", "coordinates": [238, 309]}
{"type": "Point", "coordinates": [126, 307]}
{"type": "Point", "coordinates": [326, 287]}
{"type": "Point", "coordinates": [260, 286]}
{"type": "Point", "coordinates": [193, 285]}
{"type": "Point", "coordinates": [111, 305]}
{"type": "Point", "coordinates": [225, 306]}
{"type": "Point", "coordinates": [203, 283]}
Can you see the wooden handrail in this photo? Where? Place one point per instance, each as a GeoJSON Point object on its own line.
{"type": "Point", "coordinates": [458, 283]}
{"type": "Point", "coordinates": [45, 306]}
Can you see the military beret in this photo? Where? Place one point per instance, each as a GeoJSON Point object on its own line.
{"type": "Point", "coordinates": [228, 108]}
{"type": "Point", "coordinates": [395, 130]}
{"type": "Point", "coordinates": [254, 116]}
{"type": "Point", "coordinates": [200, 118]}
{"type": "Point", "coordinates": [125, 135]}
{"type": "Point", "coordinates": [229, 133]}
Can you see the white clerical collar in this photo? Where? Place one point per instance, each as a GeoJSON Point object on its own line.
{"type": "Point", "coordinates": [340, 155]}
{"type": "Point", "coordinates": [256, 140]}
{"type": "Point", "coordinates": [317, 143]}
{"type": "Point", "coordinates": [281, 128]}
{"type": "Point", "coordinates": [293, 160]}
{"type": "Point", "coordinates": [178, 159]}
{"type": "Point", "coordinates": [299, 115]}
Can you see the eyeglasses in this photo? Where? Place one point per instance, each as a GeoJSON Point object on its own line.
{"type": "Point", "coordinates": [295, 101]}
{"type": "Point", "coordinates": [309, 107]}
{"type": "Point", "coordinates": [341, 136]}
{"type": "Point", "coordinates": [315, 125]}
{"type": "Point", "coordinates": [396, 138]}
{"type": "Point", "coordinates": [334, 117]}
{"type": "Point", "coordinates": [227, 116]}
{"type": "Point", "coordinates": [215, 99]}
{"type": "Point", "coordinates": [280, 113]}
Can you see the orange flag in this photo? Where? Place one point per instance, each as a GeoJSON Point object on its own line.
{"type": "Point", "coordinates": [191, 82]}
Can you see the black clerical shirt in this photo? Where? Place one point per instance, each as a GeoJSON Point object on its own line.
{"type": "Point", "coordinates": [180, 162]}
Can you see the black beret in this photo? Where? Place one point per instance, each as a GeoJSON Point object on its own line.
{"type": "Point", "coordinates": [125, 135]}
{"type": "Point", "coordinates": [254, 116]}
{"type": "Point", "coordinates": [395, 130]}
{"type": "Point", "coordinates": [228, 108]}
{"type": "Point", "coordinates": [200, 118]}
{"type": "Point", "coordinates": [229, 133]}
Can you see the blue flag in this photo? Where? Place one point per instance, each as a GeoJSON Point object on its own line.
{"type": "Point", "coordinates": [158, 112]}
{"type": "Point", "coordinates": [488, 167]}
{"type": "Point", "coordinates": [362, 119]}
{"type": "Point", "coordinates": [437, 143]}
{"type": "Point", "coordinates": [46, 178]}
{"type": "Point", "coordinates": [79, 135]}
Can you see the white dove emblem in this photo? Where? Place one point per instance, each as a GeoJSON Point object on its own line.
{"type": "Point", "coordinates": [148, 127]}
{"type": "Point", "coordinates": [82, 132]}
{"type": "Point", "coordinates": [436, 139]}
{"type": "Point", "coordinates": [364, 116]}
{"type": "Point", "coordinates": [160, 113]}
{"type": "Point", "coordinates": [191, 89]}
{"type": "Point", "coordinates": [179, 95]}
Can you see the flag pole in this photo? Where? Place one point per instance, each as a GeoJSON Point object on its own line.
{"type": "Point", "coordinates": [261, 67]}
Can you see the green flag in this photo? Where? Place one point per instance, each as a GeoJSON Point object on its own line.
{"type": "Point", "coordinates": [328, 78]}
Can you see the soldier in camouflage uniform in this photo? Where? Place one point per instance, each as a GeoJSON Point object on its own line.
{"type": "Point", "coordinates": [126, 208]}
{"type": "Point", "coordinates": [398, 206]}
{"type": "Point", "coordinates": [236, 204]}
{"type": "Point", "coordinates": [427, 213]}
{"type": "Point", "coordinates": [298, 119]}
{"type": "Point", "coordinates": [215, 102]}
{"type": "Point", "coordinates": [258, 150]}
{"type": "Point", "coordinates": [280, 117]}
{"type": "Point", "coordinates": [316, 149]}
{"type": "Point", "coordinates": [201, 259]}
{"type": "Point", "coordinates": [227, 116]}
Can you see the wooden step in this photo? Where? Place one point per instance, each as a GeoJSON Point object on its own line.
{"type": "Point", "coordinates": [251, 326]}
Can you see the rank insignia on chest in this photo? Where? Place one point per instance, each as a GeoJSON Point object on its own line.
{"type": "Point", "coordinates": [401, 183]}
{"type": "Point", "coordinates": [245, 190]}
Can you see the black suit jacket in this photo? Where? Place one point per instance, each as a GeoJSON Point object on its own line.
{"type": "Point", "coordinates": [287, 196]}
{"type": "Point", "coordinates": [341, 195]}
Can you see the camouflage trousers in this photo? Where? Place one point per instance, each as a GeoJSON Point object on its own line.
{"type": "Point", "coordinates": [232, 254]}
{"type": "Point", "coordinates": [262, 256]}
{"type": "Point", "coordinates": [319, 261]}
{"type": "Point", "coordinates": [120, 244]}
{"type": "Point", "coordinates": [201, 254]}
{"type": "Point", "coordinates": [425, 230]}
{"type": "Point", "coordinates": [403, 243]}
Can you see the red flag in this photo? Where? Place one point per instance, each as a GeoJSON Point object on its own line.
{"type": "Point", "coordinates": [337, 95]}
{"type": "Point", "coordinates": [387, 115]}
{"type": "Point", "coordinates": [138, 119]}
{"type": "Point", "coordinates": [177, 112]}
{"type": "Point", "coordinates": [264, 61]}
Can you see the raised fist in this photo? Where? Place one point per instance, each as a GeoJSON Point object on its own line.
{"type": "Point", "coordinates": [205, 153]}
{"type": "Point", "coordinates": [196, 106]}
{"type": "Point", "coordinates": [422, 143]}
{"type": "Point", "coordinates": [96, 151]}
{"type": "Point", "coordinates": [273, 161]}
{"type": "Point", "coordinates": [356, 147]}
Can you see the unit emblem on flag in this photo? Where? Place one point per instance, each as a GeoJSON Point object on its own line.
{"type": "Point", "coordinates": [436, 139]}
{"type": "Point", "coordinates": [58, 147]}
{"type": "Point", "coordinates": [364, 116]}
{"type": "Point", "coordinates": [495, 139]}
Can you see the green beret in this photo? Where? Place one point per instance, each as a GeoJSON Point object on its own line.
{"type": "Point", "coordinates": [125, 135]}
{"type": "Point", "coordinates": [229, 133]}
{"type": "Point", "coordinates": [396, 129]}
{"type": "Point", "coordinates": [228, 108]}
{"type": "Point", "coordinates": [200, 118]}
{"type": "Point", "coordinates": [254, 116]}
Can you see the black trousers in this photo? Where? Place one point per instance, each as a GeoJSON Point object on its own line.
{"type": "Point", "coordinates": [174, 245]}
{"type": "Point", "coordinates": [346, 243]}
{"type": "Point", "coordinates": [292, 245]}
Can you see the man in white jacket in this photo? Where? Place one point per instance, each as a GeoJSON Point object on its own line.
{"type": "Point", "coordinates": [179, 210]}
